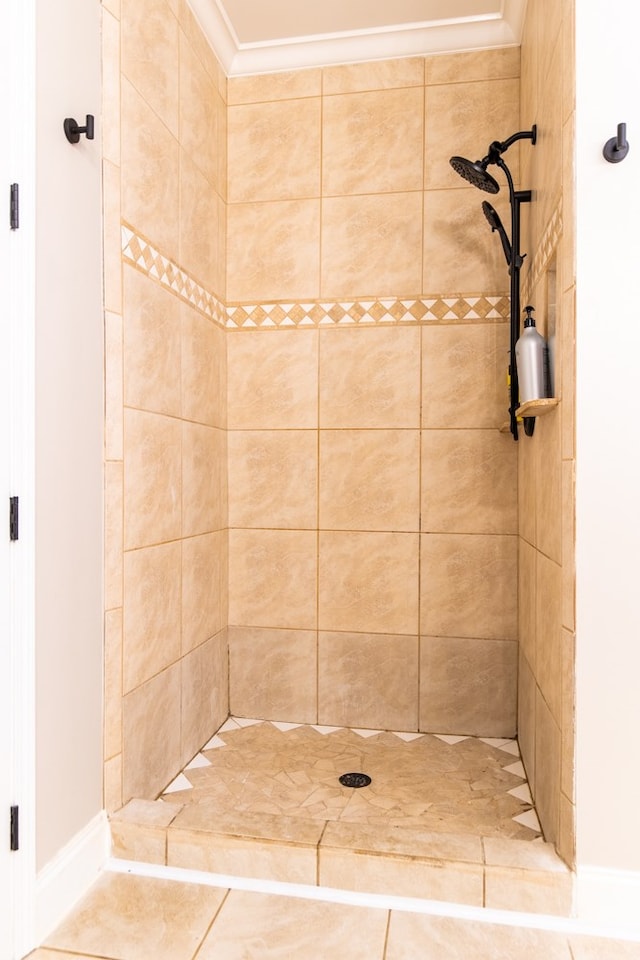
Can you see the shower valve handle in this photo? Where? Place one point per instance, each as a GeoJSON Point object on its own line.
{"type": "Point", "coordinates": [617, 147]}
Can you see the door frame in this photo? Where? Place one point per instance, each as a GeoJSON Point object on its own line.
{"type": "Point", "coordinates": [18, 75]}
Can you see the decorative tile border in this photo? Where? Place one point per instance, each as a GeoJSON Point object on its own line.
{"type": "Point", "coordinates": [546, 248]}
{"type": "Point", "coordinates": [367, 312]}
{"type": "Point", "coordinates": [142, 254]}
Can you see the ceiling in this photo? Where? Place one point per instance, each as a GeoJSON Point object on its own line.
{"type": "Point", "coordinates": [263, 36]}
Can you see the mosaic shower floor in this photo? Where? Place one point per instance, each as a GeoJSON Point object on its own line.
{"type": "Point", "coordinates": [444, 817]}
{"type": "Point", "coordinates": [442, 784]}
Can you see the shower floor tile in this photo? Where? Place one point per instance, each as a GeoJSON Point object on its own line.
{"type": "Point", "coordinates": [444, 817]}
{"type": "Point", "coordinates": [439, 784]}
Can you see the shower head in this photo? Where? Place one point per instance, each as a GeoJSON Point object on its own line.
{"type": "Point", "coordinates": [496, 224]}
{"type": "Point", "coordinates": [475, 173]}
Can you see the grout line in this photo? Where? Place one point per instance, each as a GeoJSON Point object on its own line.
{"type": "Point", "coordinates": [437, 908]}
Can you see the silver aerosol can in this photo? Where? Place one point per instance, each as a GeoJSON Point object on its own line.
{"type": "Point", "coordinates": [531, 361]}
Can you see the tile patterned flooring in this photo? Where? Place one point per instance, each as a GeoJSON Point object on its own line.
{"type": "Point", "coordinates": [442, 784]}
{"type": "Point", "coordinates": [128, 917]}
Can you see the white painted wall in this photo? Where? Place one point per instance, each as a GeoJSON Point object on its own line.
{"type": "Point", "coordinates": [69, 416]}
{"type": "Point", "coordinates": [608, 446]}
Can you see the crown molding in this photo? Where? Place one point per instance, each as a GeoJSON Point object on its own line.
{"type": "Point", "coordinates": [418, 39]}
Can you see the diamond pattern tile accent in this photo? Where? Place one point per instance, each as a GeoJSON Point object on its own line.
{"type": "Point", "coordinates": [198, 761]}
{"type": "Point", "coordinates": [546, 248]}
{"type": "Point", "coordinates": [443, 784]}
{"type": "Point", "coordinates": [146, 257]}
{"type": "Point", "coordinates": [516, 769]}
{"type": "Point", "coordinates": [180, 783]}
{"type": "Point", "coordinates": [414, 310]}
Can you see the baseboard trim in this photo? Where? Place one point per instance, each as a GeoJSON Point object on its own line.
{"type": "Point", "coordinates": [66, 878]}
{"type": "Point", "coordinates": [607, 896]}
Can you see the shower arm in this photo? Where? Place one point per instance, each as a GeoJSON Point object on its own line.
{"type": "Point", "coordinates": [516, 197]}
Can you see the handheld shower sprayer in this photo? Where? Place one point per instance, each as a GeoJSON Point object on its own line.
{"type": "Point", "coordinates": [496, 224]}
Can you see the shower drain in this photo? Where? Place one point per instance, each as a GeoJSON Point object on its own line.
{"type": "Point", "coordinates": [355, 780]}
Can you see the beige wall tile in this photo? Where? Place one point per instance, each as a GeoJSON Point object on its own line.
{"type": "Point", "coordinates": [151, 612]}
{"type": "Point", "coordinates": [113, 386]}
{"type": "Point", "coordinates": [289, 863]}
{"type": "Point", "coordinates": [112, 787]}
{"type": "Point", "coordinates": [467, 117]}
{"type": "Point", "coordinates": [548, 753]}
{"type": "Point", "coordinates": [273, 250]}
{"type": "Point", "coordinates": [375, 75]}
{"type": "Point", "coordinates": [368, 582]}
{"type": "Point", "coordinates": [567, 831]}
{"type": "Point", "coordinates": [150, 55]}
{"type": "Point", "coordinates": [112, 683]}
{"type": "Point", "coordinates": [273, 674]}
{"type": "Point", "coordinates": [469, 586]}
{"type": "Point", "coordinates": [368, 680]}
{"type": "Point", "coordinates": [151, 735]}
{"type": "Point", "coordinates": [468, 686]}
{"type": "Point", "coordinates": [463, 375]}
{"type": "Point", "coordinates": [204, 479]}
{"type": "Point", "coordinates": [527, 594]}
{"type": "Point", "coordinates": [113, 6]}
{"type": "Point", "coordinates": [469, 482]}
{"type": "Point", "coordinates": [112, 254]}
{"type": "Point", "coordinates": [273, 380]}
{"type": "Point", "coordinates": [199, 233]}
{"type": "Point", "coordinates": [274, 150]}
{"type": "Point", "coordinates": [567, 720]}
{"type": "Point", "coordinates": [205, 693]}
{"type": "Point", "coordinates": [288, 85]}
{"type": "Point", "coordinates": [128, 916]}
{"type": "Point", "coordinates": [527, 482]}
{"type": "Point", "coordinates": [546, 156]}
{"type": "Point", "coordinates": [295, 928]}
{"type": "Point", "coordinates": [152, 483]}
{"type": "Point", "coordinates": [568, 371]}
{"type": "Point", "coordinates": [151, 345]}
{"type": "Point", "coordinates": [477, 65]}
{"type": "Point", "coordinates": [201, 46]}
{"type": "Point", "coordinates": [548, 487]}
{"type": "Point", "coordinates": [273, 477]}
{"type": "Point", "coordinates": [549, 632]}
{"type": "Point", "coordinates": [113, 534]}
{"type": "Point", "coordinates": [370, 378]}
{"type": "Point", "coordinates": [527, 718]}
{"type": "Point", "coordinates": [150, 168]}
{"type": "Point", "coordinates": [272, 578]}
{"type": "Point", "coordinates": [371, 245]}
{"type": "Point", "coordinates": [198, 130]}
{"type": "Point", "coordinates": [373, 142]}
{"type": "Point", "coordinates": [460, 254]}
{"type": "Point", "coordinates": [204, 585]}
{"type": "Point", "coordinates": [369, 480]}
{"type": "Point", "coordinates": [204, 374]}
{"type": "Point", "coordinates": [568, 544]}
{"type": "Point", "coordinates": [110, 119]}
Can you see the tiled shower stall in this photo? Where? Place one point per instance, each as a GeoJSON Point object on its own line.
{"type": "Point", "coordinates": [311, 512]}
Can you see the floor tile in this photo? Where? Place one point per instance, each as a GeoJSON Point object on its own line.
{"type": "Point", "coordinates": [417, 937]}
{"type": "Point", "coordinates": [254, 925]}
{"type": "Point", "coordinates": [127, 917]}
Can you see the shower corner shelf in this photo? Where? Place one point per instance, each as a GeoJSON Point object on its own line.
{"type": "Point", "coordinates": [537, 408]}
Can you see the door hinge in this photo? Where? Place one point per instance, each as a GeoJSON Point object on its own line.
{"type": "Point", "coordinates": [14, 518]}
{"type": "Point", "coordinates": [14, 829]}
{"type": "Point", "coordinates": [14, 207]}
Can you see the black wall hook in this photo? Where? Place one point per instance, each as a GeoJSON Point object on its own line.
{"type": "Point", "coordinates": [617, 148]}
{"type": "Point", "coordinates": [72, 130]}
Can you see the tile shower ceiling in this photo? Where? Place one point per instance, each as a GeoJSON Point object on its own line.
{"type": "Point", "coordinates": [254, 36]}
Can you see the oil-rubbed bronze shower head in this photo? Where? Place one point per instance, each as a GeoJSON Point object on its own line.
{"type": "Point", "coordinates": [475, 173]}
